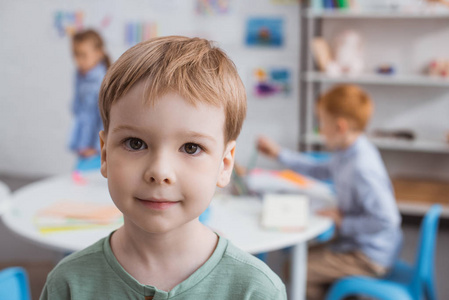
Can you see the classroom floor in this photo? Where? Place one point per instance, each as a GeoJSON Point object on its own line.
{"type": "Point", "coordinates": [38, 270]}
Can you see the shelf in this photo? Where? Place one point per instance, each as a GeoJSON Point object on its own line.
{"type": "Point", "coordinates": [419, 209]}
{"type": "Point", "coordinates": [375, 14]}
{"type": "Point", "coordinates": [372, 78]}
{"type": "Point", "coordinates": [426, 146]}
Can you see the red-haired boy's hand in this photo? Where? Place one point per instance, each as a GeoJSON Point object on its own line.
{"type": "Point", "coordinates": [268, 147]}
{"type": "Point", "coordinates": [334, 214]}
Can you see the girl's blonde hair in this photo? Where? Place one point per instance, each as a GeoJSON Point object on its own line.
{"type": "Point", "coordinates": [192, 67]}
{"type": "Point", "coordinates": [94, 37]}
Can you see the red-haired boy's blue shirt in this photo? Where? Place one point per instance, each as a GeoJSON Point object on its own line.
{"type": "Point", "coordinates": [371, 220]}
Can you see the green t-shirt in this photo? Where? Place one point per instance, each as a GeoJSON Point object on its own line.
{"type": "Point", "coordinates": [230, 273]}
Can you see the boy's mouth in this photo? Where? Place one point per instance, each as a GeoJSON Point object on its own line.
{"type": "Point", "coordinates": [157, 204]}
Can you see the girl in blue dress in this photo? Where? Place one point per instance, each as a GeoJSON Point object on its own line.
{"type": "Point", "coordinates": [91, 62]}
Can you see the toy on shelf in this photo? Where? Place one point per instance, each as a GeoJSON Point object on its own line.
{"type": "Point", "coordinates": [322, 53]}
{"type": "Point", "coordinates": [347, 58]}
{"type": "Point", "coordinates": [439, 67]}
{"type": "Point", "coordinates": [440, 2]}
{"type": "Point", "coordinates": [403, 134]}
{"type": "Point", "coordinates": [332, 4]}
{"type": "Point", "coordinates": [386, 69]}
{"type": "Point", "coordinates": [349, 52]}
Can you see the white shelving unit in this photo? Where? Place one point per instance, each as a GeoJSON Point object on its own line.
{"type": "Point", "coordinates": [311, 81]}
{"type": "Point", "coordinates": [428, 146]}
{"type": "Point", "coordinates": [416, 209]}
{"type": "Point", "coordinates": [372, 78]}
{"type": "Point", "coordinates": [376, 14]}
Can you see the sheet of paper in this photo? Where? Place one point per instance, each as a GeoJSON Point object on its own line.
{"type": "Point", "coordinates": [285, 212]}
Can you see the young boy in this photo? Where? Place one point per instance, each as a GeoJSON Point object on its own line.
{"type": "Point", "coordinates": [172, 109]}
{"type": "Point", "coordinates": [368, 222]}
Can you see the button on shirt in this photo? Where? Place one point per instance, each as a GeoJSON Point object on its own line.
{"type": "Point", "coordinates": [371, 221]}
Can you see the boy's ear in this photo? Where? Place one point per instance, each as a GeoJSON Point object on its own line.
{"type": "Point", "coordinates": [103, 168]}
{"type": "Point", "coordinates": [227, 165]}
{"type": "Point", "coordinates": [342, 125]}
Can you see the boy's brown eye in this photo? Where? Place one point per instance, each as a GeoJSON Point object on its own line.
{"type": "Point", "coordinates": [135, 144]}
{"type": "Point", "coordinates": [191, 148]}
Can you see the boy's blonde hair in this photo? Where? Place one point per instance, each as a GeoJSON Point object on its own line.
{"type": "Point", "coordinates": [349, 102]}
{"type": "Point", "coordinates": [191, 67]}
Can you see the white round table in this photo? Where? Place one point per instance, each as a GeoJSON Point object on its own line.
{"type": "Point", "coordinates": [4, 195]}
{"type": "Point", "coordinates": [235, 218]}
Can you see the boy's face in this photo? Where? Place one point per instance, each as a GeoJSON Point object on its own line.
{"type": "Point", "coordinates": [163, 161]}
{"type": "Point", "coordinates": [331, 129]}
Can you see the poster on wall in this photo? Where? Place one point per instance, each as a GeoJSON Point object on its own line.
{"type": "Point", "coordinates": [136, 32]}
{"type": "Point", "coordinates": [102, 16]}
{"type": "Point", "coordinates": [284, 2]}
{"type": "Point", "coordinates": [271, 82]}
{"type": "Point", "coordinates": [212, 7]}
{"type": "Point", "coordinates": [264, 32]}
{"type": "Point", "coordinates": [66, 23]}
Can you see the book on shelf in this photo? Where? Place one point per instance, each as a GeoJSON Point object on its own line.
{"type": "Point", "coordinates": [332, 4]}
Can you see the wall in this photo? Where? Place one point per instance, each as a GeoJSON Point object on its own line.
{"type": "Point", "coordinates": [37, 71]}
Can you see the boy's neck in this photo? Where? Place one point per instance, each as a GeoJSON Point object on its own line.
{"type": "Point", "coordinates": [163, 260]}
{"type": "Point", "coordinates": [349, 139]}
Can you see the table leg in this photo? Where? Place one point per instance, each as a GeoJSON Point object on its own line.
{"type": "Point", "coordinates": [298, 271]}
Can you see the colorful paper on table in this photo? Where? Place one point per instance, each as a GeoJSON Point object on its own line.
{"type": "Point", "coordinates": [262, 181]}
{"type": "Point", "coordinates": [69, 227]}
{"type": "Point", "coordinates": [72, 215]}
{"type": "Point", "coordinates": [278, 181]}
{"type": "Point", "coordinates": [285, 212]}
{"type": "Point", "coordinates": [295, 178]}
{"type": "Point", "coordinates": [98, 213]}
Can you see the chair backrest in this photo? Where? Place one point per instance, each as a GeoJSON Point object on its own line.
{"type": "Point", "coordinates": [14, 284]}
{"type": "Point", "coordinates": [424, 261]}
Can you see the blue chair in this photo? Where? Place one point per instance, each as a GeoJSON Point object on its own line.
{"type": "Point", "coordinates": [327, 235]}
{"type": "Point", "coordinates": [14, 284]}
{"type": "Point", "coordinates": [205, 216]}
{"type": "Point", "coordinates": [88, 164]}
{"type": "Point", "coordinates": [262, 256]}
{"type": "Point", "coordinates": [404, 282]}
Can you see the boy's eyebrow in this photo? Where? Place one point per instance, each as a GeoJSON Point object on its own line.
{"type": "Point", "coordinates": [123, 127]}
{"type": "Point", "coordinates": [191, 134]}
{"type": "Point", "coordinates": [194, 134]}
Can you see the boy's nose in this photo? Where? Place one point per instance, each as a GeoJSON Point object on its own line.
{"type": "Point", "coordinates": [159, 171]}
